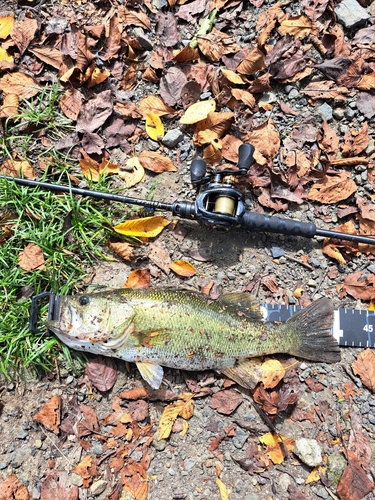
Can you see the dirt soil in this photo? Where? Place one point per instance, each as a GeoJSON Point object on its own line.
{"type": "Point", "coordinates": [88, 446]}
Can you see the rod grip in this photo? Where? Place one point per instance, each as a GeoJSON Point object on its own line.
{"type": "Point", "coordinates": [272, 224]}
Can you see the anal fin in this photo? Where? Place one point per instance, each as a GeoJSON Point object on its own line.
{"type": "Point", "coordinates": [247, 373]}
{"type": "Point", "coordinates": [151, 373]}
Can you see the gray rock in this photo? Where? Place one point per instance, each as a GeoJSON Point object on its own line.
{"type": "Point", "coordinates": [350, 113]}
{"type": "Point", "coordinates": [336, 465]}
{"type": "Point", "coordinates": [277, 252]}
{"type": "Point", "coordinates": [338, 113]}
{"type": "Point", "coordinates": [22, 434]}
{"type": "Point", "coordinates": [370, 148]}
{"type": "Point", "coordinates": [75, 479]}
{"type": "Point", "coordinates": [325, 111]}
{"type": "Point", "coordinates": [172, 137]}
{"type": "Point", "coordinates": [240, 438]}
{"type": "Point", "coordinates": [351, 14]}
{"type": "Point", "coordinates": [3, 465]}
{"type": "Point", "coordinates": [308, 450]}
{"type": "Point", "coordinates": [293, 94]}
{"type": "Point", "coordinates": [268, 97]}
{"type": "Point", "coordinates": [98, 487]}
{"type": "Point", "coordinates": [189, 464]}
{"type": "Point", "coordinates": [144, 42]}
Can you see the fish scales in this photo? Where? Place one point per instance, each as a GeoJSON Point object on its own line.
{"type": "Point", "coordinates": [187, 330]}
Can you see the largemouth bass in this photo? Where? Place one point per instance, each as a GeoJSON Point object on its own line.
{"type": "Point", "coordinates": [189, 331]}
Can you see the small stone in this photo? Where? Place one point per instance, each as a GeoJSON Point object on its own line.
{"type": "Point", "coordinates": [172, 137]}
{"type": "Point", "coordinates": [277, 252]}
{"type": "Point", "coordinates": [98, 487]}
{"type": "Point", "coordinates": [240, 438]}
{"type": "Point", "coordinates": [268, 97]}
{"type": "Point", "coordinates": [370, 148]}
{"type": "Point", "coordinates": [293, 94]}
{"type": "Point", "coordinates": [35, 493]}
{"type": "Point", "coordinates": [69, 379]}
{"type": "Point", "coordinates": [231, 276]}
{"type": "Point", "coordinates": [189, 464]}
{"type": "Point", "coordinates": [38, 443]}
{"type": "Point", "coordinates": [308, 450]}
{"type": "Point", "coordinates": [336, 464]}
{"type": "Point", "coordinates": [312, 283]}
{"type": "Point", "coordinates": [75, 479]}
{"type": "Point", "coordinates": [314, 262]}
{"type": "Point", "coordinates": [3, 465]}
{"type": "Point", "coordinates": [338, 113]}
{"type": "Point", "coordinates": [22, 434]}
{"type": "Point", "coordinates": [351, 14]}
{"type": "Point", "coordinates": [159, 445]}
{"type": "Point", "coordinates": [350, 113]}
{"type": "Point", "coordinates": [142, 39]}
{"type": "Point", "coordinates": [325, 111]}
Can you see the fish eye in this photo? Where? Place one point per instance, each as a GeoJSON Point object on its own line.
{"type": "Point", "coordinates": [84, 300]}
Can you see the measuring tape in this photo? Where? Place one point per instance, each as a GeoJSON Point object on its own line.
{"type": "Point", "coordinates": [351, 327]}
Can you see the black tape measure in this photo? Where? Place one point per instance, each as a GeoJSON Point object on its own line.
{"type": "Point", "coordinates": [351, 327]}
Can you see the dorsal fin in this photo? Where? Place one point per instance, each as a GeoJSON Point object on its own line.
{"type": "Point", "coordinates": [240, 304]}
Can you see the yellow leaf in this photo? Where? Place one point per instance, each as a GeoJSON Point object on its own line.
{"type": "Point", "coordinates": [183, 268]}
{"type": "Point", "coordinates": [224, 493]}
{"type": "Point", "coordinates": [6, 24]}
{"type": "Point", "coordinates": [183, 407]}
{"type": "Point", "coordinates": [148, 227]}
{"type": "Point", "coordinates": [298, 293]}
{"type": "Point", "coordinates": [273, 443]}
{"type": "Point", "coordinates": [233, 77]}
{"type": "Point", "coordinates": [315, 474]}
{"type": "Point", "coordinates": [198, 111]}
{"type": "Point", "coordinates": [137, 175]}
{"type": "Point", "coordinates": [185, 427]}
{"type": "Point", "coordinates": [299, 27]}
{"type": "Point", "coordinates": [154, 126]}
{"type": "Point", "coordinates": [4, 56]}
{"type": "Point", "coordinates": [272, 372]}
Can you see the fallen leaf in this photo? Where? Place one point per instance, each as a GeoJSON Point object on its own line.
{"type": "Point", "coordinates": [51, 56]}
{"type": "Point", "coordinates": [93, 170]}
{"type": "Point", "coordinates": [20, 84]}
{"type": "Point", "coordinates": [314, 8]}
{"type": "Point", "coordinates": [18, 168]}
{"type": "Point", "coordinates": [184, 408]}
{"type": "Point", "coordinates": [333, 187]}
{"type": "Point", "coordinates": [136, 393]}
{"type": "Point", "coordinates": [154, 126]}
{"type": "Point", "coordinates": [123, 249]}
{"type": "Point", "coordinates": [133, 17]}
{"type": "Point", "coordinates": [49, 414]}
{"type": "Point", "coordinates": [183, 268]}
{"type": "Point", "coordinates": [356, 141]}
{"type": "Point", "coordinates": [274, 449]}
{"type": "Point", "coordinates": [363, 289]}
{"type": "Point", "coordinates": [226, 401]}
{"type": "Point", "coordinates": [316, 474]}
{"type": "Point", "coordinates": [87, 470]}
{"type": "Point", "coordinates": [253, 63]}
{"type": "Point", "coordinates": [31, 258]}
{"type": "Point", "coordinates": [148, 227]}
{"type": "Point", "coordinates": [23, 32]}
{"type": "Point", "coordinates": [299, 27]}
{"type": "Point", "coordinates": [159, 256]}
{"type": "Point", "coordinates": [364, 366]}
{"type": "Point", "coordinates": [329, 248]}
{"type": "Point", "coordinates": [156, 105]}
{"type": "Point", "coordinates": [138, 410]}
{"type": "Point", "coordinates": [198, 111]}
{"type": "Point", "coordinates": [354, 483]}
{"type": "Point", "coordinates": [265, 139]}
{"type": "Point", "coordinates": [135, 481]}
{"type": "Point", "coordinates": [57, 485]}
{"type": "Point", "coordinates": [172, 84]}
{"type": "Point", "coordinates": [272, 372]}
{"type": "Point", "coordinates": [139, 278]}
{"type": "Point", "coordinates": [95, 112]}
{"type": "Point", "coordinates": [102, 372]}
{"type": "Point", "coordinates": [12, 488]}
{"type": "Point", "coordinates": [224, 493]}
{"type": "Point", "coordinates": [166, 28]}
{"type": "Point", "coordinates": [71, 103]}
{"type": "Point", "coordinates": [6, 23]}
{"type": "Point", "coordinates": [151, 160]}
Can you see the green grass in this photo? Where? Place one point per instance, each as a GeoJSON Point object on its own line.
{"type": "Point", "coordinates": [71, 231]}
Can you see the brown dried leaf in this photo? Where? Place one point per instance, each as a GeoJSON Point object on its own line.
{"type": "Point", "coordinates": [112, 42]}
{"type": "Point", "coordinates": [299, 27]}
{"type": "Point", "coordinates": [21, 84]}
{"type": "Point", "coordinates": [71, 103]}
{"type": "Point", "coordinates": [356, 141]}
{"type": "Point", "coordinates": [314, 8]}
{"type": "Point", "coordinates": [138, 410]}
{"type": "Point", "coordinates": [272, 372]}
{"type": "Point", "coordinates": [325, 89]}
{"type": "Point", "coordinates": [364, 366]}
{"type": "Point", "coordinates": [363, 289]}
{"type": "Point", "coordinates": [151, 160]}
{"type": "Point", "coordinates": [123, 249]}
{"type": "Point", "coordinates": [93, 170]}
{"type": "Point", "coordinates": [49, 55]}
{"type": "Point", "coordinates": [333, 187]}
{"type": "Point", "coordinates": [12, 488]}
{"type": "Point", "coordinates": [139, 278]}
{"type": "Point", "coordinates": [49, 414]}
{"type": "Point", "coordinates": [354, 483]}
{"type": "Point", "coordinates": [212, 128]}
{"type": "Point", "coordinates": [265, 139]}
{"type": "Point", "coordinates": [226, 402]}
{"type": "Point", "coordinates": [367, 82]}
{"type": "Point", "coordinates": [57, 485]}
{"type": "Point", "coordinates": [136, 393]}
{"type": "Point", "coordinates": [156, 105]}
{"type": "Point", "coordinates": [332, 251]}
{"type": "Point", "coordinates": [216, 43]}
{"type": "Point", "coordinates": [31, 258]}
{"type": "Point", "coordinates": [10, 106]}
{"type": "Point", "coordinates": [95, 112]}
{"type": "Point", "coordinates": [102, 372]}
{"type": "Point", "coordinates": [87, 470]}
{"type": "Point", "coordinates": [135, 481]}
{"type": "Point", "coordinates": [172, 84]}
{"type": "Point", "coordinates": [23, 32]}
{"type": "Point", "coordinates": [166, 28]}
{"type": "Point", "coordinates": [253, 63]}
{"type": "Point", "coordinates": [328, 139]}
{"type": "Point", "coordinates": [136, 18]}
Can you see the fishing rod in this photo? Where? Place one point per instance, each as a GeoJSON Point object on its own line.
{"type": "Point", "coordinates": [218, 202]}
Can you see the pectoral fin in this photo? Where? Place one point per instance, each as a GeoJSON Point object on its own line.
{"type": "Point", "coordinates": [151, 372]}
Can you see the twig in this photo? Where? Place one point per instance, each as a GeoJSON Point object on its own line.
{"type": "Point", "coordinates": [57, 448]}
{"type": "Point", "coordinates": [320, 283]}
{"type": "Point", "coordinates": [299, 262]}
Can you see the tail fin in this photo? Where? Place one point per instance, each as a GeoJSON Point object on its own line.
{"type": "Point", "coordinates": [313, 328]}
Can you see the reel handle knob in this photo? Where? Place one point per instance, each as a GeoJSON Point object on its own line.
{"type": "Point", "coordinates": [197, 170]}
{"type": "Point", "coordinates": [245, 157]}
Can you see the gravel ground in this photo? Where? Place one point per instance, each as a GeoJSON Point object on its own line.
{"type": "Point", "coordinates": [331, 402]}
